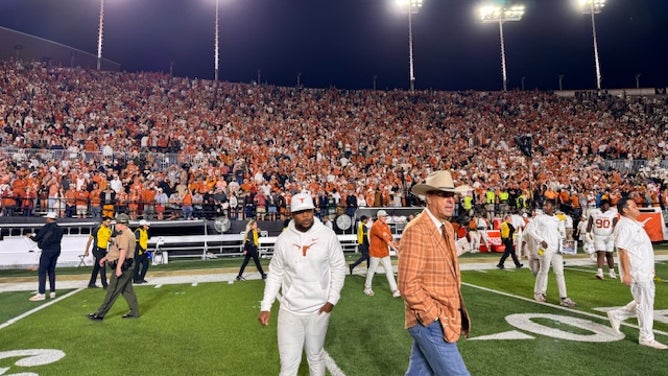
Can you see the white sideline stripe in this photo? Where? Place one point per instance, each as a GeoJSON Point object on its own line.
{"type": "Point", "coordinates": [604, 318]}
{"type": "Point", "coordinates": [37, 309]}
{"type": "Point", "coordinates": [330, 364]}
{"type": "Point", "coordinates": [590, 271]}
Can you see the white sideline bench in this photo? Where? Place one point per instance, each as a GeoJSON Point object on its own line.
{"type": "Point", "coordinates": [19, 251]}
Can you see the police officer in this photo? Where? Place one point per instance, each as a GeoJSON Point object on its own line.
{"type": "Point", "coordinates": [121, 260]}
{"type": "Point", "coordinates": [48, 240]}
{"type": "Point", "coordinates": [100, 238]}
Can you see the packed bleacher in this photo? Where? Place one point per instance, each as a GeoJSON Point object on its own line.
{"type": "Point", "coordinates": [86, 143]}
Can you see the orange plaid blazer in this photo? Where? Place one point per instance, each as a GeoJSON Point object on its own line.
{"type": "Point", "coordinates": [429, 278]}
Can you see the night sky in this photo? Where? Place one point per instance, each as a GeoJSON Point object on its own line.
{"type": "Point", "coordinates": [344, 43]}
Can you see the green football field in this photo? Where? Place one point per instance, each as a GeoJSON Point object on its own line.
{"type": "Point", "coordinates": [212, 329]}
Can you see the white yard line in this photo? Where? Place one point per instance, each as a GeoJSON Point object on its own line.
{"type": "Point", "coordinates": [331, 366]}
{"type": "Point", "coordinates": [592, 315]}
{"type": "Point", "coordinates": [590, 271]}
{"type": "Point", "coordinates": [37, 309]}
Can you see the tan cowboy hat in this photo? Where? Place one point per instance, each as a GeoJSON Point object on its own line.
{"type": "Point", "coordinates": [439, 181]}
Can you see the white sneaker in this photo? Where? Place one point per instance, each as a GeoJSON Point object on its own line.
{"type": "Point", "coordinates": [567, 302]}
{"type": "Point", "coordinates": [599, 276]}
{"type": "Point", "coordinates": [653, 344]}
{"type": "Point", "coordinates": [614, 322]}
{"type": "Point", "coordinates": [52, 295]}
{"type": "Point", "coordinates": [540, 298]}
{"type": "Point", "coordinates": [613, 275]}
{"type": "Point", "coordinates": [396, 294]}
{"type": "Point", "coordinates": [37, 298]}
{"type": "Point", "coordinates": [369, 292]}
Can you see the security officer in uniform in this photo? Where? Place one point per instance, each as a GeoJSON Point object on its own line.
{"type": "Point", "coordinates": [121, 260]}
{"type": "Point", "coordinates": [362, 243]}
{"type": "Point", "coordinates": [100, 239]}
{"type": "Point", "coordinates": [467, 204]}
{"type": "Point", "coordinates": [141, 258]}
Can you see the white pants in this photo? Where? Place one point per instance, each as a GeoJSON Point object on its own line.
{"type": "Point", "coordinates": [557, 261]}
{"type": "Point", "coordinates": [641, 306]}
{"type": "Point", "coordinates": [387, 265]}
{"type": "Point", "coordinates": [299, 332]}
{"type": "Point", "coordinates": [475, 241]}
{"type": "Point", "coordinates": [604, 243]}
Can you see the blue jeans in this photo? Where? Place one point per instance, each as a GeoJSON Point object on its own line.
{"type": "Point", "coordinates": [432, 355]}
{"type": "Point", "coordinates": [187, 212]}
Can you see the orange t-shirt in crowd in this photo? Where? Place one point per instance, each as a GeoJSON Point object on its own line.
{"type": "Point", "coordinates": [187, 199]}
{"type": "Point", "coordinates": [81, 197]}
{"type": "Point", "coordinates": [94, 197]}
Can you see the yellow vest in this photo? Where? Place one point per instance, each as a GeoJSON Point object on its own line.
{"type": "Point", "coordinates": [103, 235]}
{"type": "Point", "coordinates": [505, 230]}
{"type": "Point", "coordinates": [142, 240]}
{"type": "Point", "coordinates": [521, 201]}
{"type": "Point", "coordinates": [360, 233]}
{"type": "Point", "coordinates": [468, 202]}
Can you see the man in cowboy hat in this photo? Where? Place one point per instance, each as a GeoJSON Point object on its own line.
{"type": "Point", "coordinates": [430, 281]}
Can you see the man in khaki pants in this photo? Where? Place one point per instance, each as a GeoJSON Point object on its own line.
{"type": "Point", "coordinates": [121, 260]}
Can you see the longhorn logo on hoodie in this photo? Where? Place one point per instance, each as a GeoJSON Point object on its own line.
{"type": "Point", "coordinates": [305, 248]}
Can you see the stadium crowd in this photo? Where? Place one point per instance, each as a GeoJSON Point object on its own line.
{"type": "Point", "coordinates": [89, 143]}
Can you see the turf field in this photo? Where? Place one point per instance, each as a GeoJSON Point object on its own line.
{"type": "Point", "coordinates": [212, 329]}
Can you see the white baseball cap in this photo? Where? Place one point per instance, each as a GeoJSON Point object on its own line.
{"type": "Point", "coordinates": [143, 222]}
{"type": "Point", "coordinates": [300, 202]}
{"type": "Point", "coordinates": [51, 215]}
{"type": "Point", "coordinates": [381, 213]}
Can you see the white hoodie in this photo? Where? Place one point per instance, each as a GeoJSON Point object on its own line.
{"type": "Point", "coordinates": [308, 268]}
{"type": "Point", "coordinates": [547, 228]}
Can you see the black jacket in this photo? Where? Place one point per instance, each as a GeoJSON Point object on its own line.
{"type": "Point", "coordinates": [48, 237]}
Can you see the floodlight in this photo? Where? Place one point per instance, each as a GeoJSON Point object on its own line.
{"type": "Point", "coordinates": [594, 7]}
{"type": "Point", "coordinates": [412, 7]}
{"type": "Point", "coordinates": [100, 33]}
{"type": "Point", "coordinates": [591, 6]}
{"type": "Point", "coordinates": [492, 13]}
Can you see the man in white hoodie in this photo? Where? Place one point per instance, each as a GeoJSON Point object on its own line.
{"type": "Point", "coordinates": [547, 231]}
{"type": "Point", "coordinates": [309, 269]}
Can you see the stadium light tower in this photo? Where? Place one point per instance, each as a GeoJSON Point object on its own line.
{"type": "Point", "coordinates": [490, 13]}
{"type": "Point", "coordinates": [593, 7]}
{"type": "Point", "coordinates": [100, 33]}
{"type": "Point", "coordinates": [216, 51]}
{"type": "Point", "coordinates": [413, 7]}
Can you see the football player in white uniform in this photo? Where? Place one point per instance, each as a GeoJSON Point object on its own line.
{"type": "Point", "coordinates": [602, 222]}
